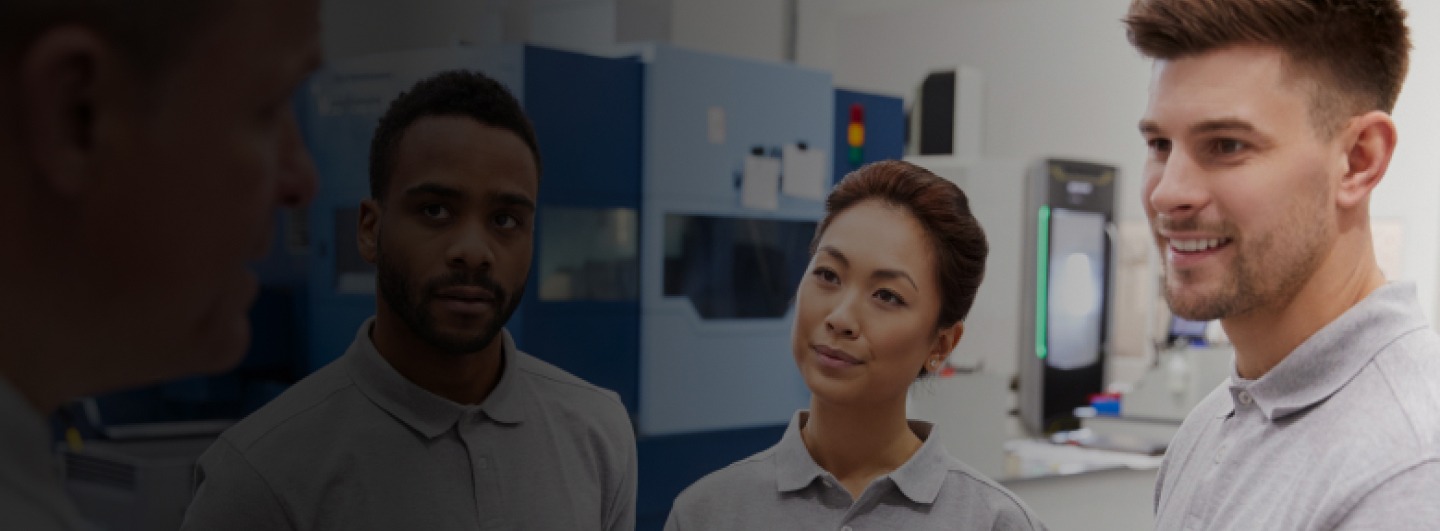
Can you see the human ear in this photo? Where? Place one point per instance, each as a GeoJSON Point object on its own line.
{"type": "Point", "coordinates": [367, 235]}
{"type": "Point", "coordinates": [63, 80]}
{"type": "Point", "coordinates": [1367, 157]}
{"type": "Point", "coordinates": [945, 341]}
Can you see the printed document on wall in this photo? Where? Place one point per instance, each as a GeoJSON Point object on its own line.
{"type": "Point", "coordinates": [760, 186]}
{"type": "Point", "coordinates": [805, 174]}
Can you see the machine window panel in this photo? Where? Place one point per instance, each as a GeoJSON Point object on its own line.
{"type": "Point", "coordinates": [1077, 288]}
{"type": "Point", "coordinates": [588, 254]}
{"type": "Point", "coordinates": [735, 268]}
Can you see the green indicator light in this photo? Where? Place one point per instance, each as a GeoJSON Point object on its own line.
{"type": "Point", "coordinates": [1042, 282]}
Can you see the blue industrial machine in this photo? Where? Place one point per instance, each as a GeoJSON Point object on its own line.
{"type": "Point", "coordinates": [718, 381]}
{"type": "Point", "coordinates": [718, 274]}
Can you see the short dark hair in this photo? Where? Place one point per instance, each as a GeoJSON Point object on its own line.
{"type": "Point", "coordinates": [148, 32]}
{"type": "Point", "coordinates": [1356, 51]}
{"type": "Point", "coordinates": [941, 208]}
{"type": "Point", "coordinates": [449, 93]}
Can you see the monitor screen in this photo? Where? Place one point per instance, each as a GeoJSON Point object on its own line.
{"type": "Point", "coordinates": [1186, 328]}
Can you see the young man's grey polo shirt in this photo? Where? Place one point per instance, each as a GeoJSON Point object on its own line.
{"type": "Point", "coordinates": [357, 446]}
{"type": "Point", "coordinates": [1342, 434]}
{"type": "Point", "coordinates": [783, 488]}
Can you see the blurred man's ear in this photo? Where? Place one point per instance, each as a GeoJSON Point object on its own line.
{"type": "Point", "coordinates": [61, 79]}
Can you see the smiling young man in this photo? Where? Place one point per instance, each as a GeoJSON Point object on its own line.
{"type": "Point", "coordinates": [137, 180]}
{"type": "Point", "coordinates": [1268, 129]}
{"type": "Point", "coordinates": [433, 419]}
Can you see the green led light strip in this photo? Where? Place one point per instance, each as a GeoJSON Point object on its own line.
{"type": "Point", "coordinates": [1042, 283]}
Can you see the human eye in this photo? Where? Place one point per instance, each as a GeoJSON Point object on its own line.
{"type": "Point", "coordinates": [1227, 146]}
{"type": "Point", "coordinates": [1159, 148]}
{"type": "Point", "coordinates": [435, 211]}
{"type": "Point", "coordinates": [505, 220]}
{"type": "Point", "coordinates": [826, 275]}
{"type": "Point", "coordinates": [889, 297]}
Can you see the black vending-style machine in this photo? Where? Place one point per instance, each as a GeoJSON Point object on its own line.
{"type": "Point", "coordinates": [1070, 209]}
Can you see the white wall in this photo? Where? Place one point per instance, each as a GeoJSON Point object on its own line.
{"type": "Point", "coordinates": [1060, 79]}
{"type": "Point", "coordinates": [753, 29]}
{"type": "Point", "coordinates": [353, 28]}
{"type": "Point", "coordinates": [1411, 188]}
{"type": "Point", "coordinates": [572, 25]}
{"type": "Point", "coordinates": [361, 27]}
{"type": "Point", "coordinates": [817, 39]}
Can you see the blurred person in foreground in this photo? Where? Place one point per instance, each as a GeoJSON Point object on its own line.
{"type": "Point", "coordinates": [139, 179]}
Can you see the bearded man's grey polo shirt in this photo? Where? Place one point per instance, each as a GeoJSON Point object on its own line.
{"type": "Point", "coordinates": [784, 488]}
{"type": "Point", "coordinates": [357, 446]}
{"type": "Point", "coordinates": [1343, 434]}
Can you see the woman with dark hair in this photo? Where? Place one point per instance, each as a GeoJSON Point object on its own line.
{"type": "Point", "coordinates": [894, 268]}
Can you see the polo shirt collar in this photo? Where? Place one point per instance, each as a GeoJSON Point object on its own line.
{"type": "Point", "coordinates": [427, 413]}
{"type": "Point", "coordinates": [919, 479]}
{"type": "Point", "coordinates": [1332, 357]}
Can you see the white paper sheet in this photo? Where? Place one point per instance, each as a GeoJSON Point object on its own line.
{"type": "Point", "coordinates": [806, 174]}
{"type": "Point", "coordinates": [760, 187]}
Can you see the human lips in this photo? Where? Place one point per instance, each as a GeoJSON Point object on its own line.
{"type": "Point", "coordinates": [1193, 245]}
{"type": "Point", "coordinates": [1184, 250]}
{"type": "Point", "coordinates": [834, 357]}
{"type": "Point", "coordinates": [466, 293]}
{"type": "Point", "coordinates": [466, 300]}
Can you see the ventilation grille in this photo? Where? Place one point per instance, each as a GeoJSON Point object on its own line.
{"type": "Point", "coordinates": [98, 470]}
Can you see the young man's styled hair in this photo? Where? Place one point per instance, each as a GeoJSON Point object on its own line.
{"type": "Point", "coordinates": [449, 93]}
{"type": "Point", "coordinates": [1352, 54]}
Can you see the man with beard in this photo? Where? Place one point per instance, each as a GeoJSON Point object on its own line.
{"type": "Point", "coordinates": [433, 419]}
{"type": "Point", "coordinates": [1268, 126]}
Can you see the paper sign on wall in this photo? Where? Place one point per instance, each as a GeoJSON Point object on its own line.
{"type": "Point", "coordinates": [760, 186]}
{"type": "Point", "coordinates": [805, 172]}
{"type": "Point", "coordinates": [715, 125]}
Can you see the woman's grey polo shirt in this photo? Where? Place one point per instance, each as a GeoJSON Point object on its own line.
{"type": "Point", "coordinates": [357, 446]}
{"type": "Point", "coordinates": [783, 488]}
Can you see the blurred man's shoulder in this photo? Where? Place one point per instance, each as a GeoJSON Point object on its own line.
{"type": "Point", "coordinates": [293, 410]}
